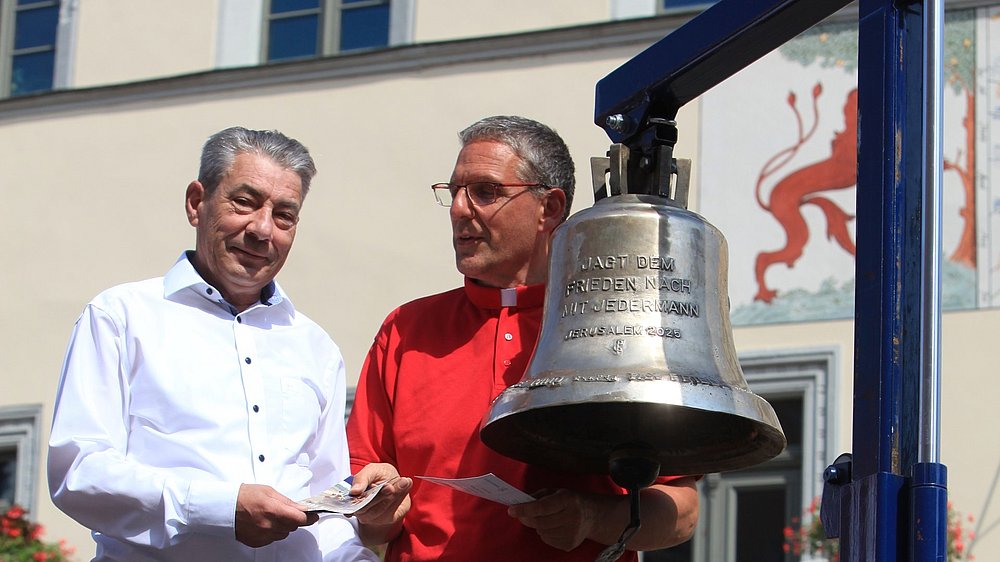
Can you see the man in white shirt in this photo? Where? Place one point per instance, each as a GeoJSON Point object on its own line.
{"type": "Point", "coordinates": [196, 408]}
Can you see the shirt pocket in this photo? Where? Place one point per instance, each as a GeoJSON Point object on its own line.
{"type": "Point", "coordinates": [300, 411]}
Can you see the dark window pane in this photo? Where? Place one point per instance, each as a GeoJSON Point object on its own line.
{"type": "Point", "coordinates": [281, 6]}
{"type": "Point", "coordinates": [36, 27]}
{"type": "Point", "coordinates": [789, 412]}
{"type": "Point", "coordinates": [293, 38]}
{"type": "Point", "coordinates": [760, 521]}
{"type": "Point", "coordinates": [32, 73]}
{"type": "Point", "coordinates": [8, 471]}
{"type": "Point", "coordinates": [362, 28]}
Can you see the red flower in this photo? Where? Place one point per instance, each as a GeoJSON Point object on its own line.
{"type": "Point", "coordinates": [19, 539]}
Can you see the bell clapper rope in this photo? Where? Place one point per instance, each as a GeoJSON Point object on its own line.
{"type": "Point", "coordinates": [613, 552]}
{"type": "Point", "coordinates": [633, 467]}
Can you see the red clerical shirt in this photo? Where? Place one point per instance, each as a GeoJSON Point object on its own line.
{"type": "Point", "coordinates": [430, 376]}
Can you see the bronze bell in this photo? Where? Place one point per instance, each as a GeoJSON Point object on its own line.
{"type": "Point", "coordinates": [636, 355]}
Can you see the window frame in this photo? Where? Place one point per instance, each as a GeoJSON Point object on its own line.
{"type": "Point", "coordinates": [329, 29]}
{"type": "Point", "coordinates": [725, 500]}
{"type": "Point", "coordinates": [8, 30]}
{"type": "Point", "coordinates": [20, 430]}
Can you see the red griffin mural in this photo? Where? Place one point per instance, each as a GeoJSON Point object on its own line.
{"type": "Point", "coordinates": [804, 186]}
{"type": "Point", "coordinates": [839, 171]}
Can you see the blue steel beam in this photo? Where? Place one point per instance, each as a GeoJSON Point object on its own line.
{"type": "Point", "coordinates": [713, 46]}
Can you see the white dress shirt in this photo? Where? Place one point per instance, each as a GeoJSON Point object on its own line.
{"type": "Point", "coordinates": [169, 400]}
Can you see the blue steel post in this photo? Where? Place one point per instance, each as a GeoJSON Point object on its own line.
{"type": "Point", "coordinates": [893, 503]}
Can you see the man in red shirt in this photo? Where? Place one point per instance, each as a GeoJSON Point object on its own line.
{"type": "Point", "coordinates": [438, 362]}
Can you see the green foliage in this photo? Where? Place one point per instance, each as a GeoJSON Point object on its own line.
{"type": "Point", "coordinates": [836, 46]}
{"type": "Point", "coordinates": [831, 46]}
{"type": "Point", "coordinates": [959, 63]}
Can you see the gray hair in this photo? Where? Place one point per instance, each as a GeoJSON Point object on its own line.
{"type": "Point", "coordinates": [221, 149]}
{"type": "Point", "coordinates": [544, 156]}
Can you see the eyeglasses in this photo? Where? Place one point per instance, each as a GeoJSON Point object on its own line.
{"type": "Point", "coordinates": [480, 193]}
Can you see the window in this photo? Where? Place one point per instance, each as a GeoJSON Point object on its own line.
{"type": "Point", "coordinates": [8, 471]}
{"type": "Point", "coordinates": [19, 454]}
{"type": "Point", "coordinates": [27, 45]}
{"type": "Point", "coordinates": [683, 6]}
{"type": "Point", "coordinates": [301, 29]}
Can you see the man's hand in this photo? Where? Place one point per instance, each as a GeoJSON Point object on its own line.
{"type": "Point", "coordinates": [392, 501]}
{"type": "Point", "coordinates": [562, 519]}
{"type": "Point", "coordinates": [382, 519]}
{"type": "Point", "coordinates": [264, 516]}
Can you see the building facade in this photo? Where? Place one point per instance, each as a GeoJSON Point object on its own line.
{"type": "Point", "coordinates": [104, 105]}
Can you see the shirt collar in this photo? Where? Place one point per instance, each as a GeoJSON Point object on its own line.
{"type": "Point", "coordinates": [524, 296]}
{"type": "Point", "coordinates": [183, 275]}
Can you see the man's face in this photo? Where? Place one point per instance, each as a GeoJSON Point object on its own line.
{"type": "Point", "coordinates": [245, 227]}
{"type": "Point", "coordinates": [505, 243]}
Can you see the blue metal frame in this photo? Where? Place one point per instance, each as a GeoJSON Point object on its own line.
{"type": "Point", "coordinates": [889, 331]}
{"type": "Point", "coordinates": [885, 502]}
{"type": "Point", "coordinates": [710, 48]}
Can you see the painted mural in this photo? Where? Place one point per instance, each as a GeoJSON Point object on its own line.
{"type": "Point", "coordinates": [778, 168]}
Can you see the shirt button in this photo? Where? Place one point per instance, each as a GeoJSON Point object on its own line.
{"type": "Point", "coordinates": [256, 408]}
{"type": "Point", "coordinates": [508, 337]}
{"type": "Point", "coordinates": [506, 362]}
{"type": "Point", "coordinates": [261, 457]}
{"type": "Point", "coordinates": [239, 319]}
{"type": "Point", "coordinates": [247, 360]}
{"type": "Point", "coordinates": [208, 290]}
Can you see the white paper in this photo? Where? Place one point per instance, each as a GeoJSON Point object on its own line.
{"type": "Point", "coordinates": [487, 486]}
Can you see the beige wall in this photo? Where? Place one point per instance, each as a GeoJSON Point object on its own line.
{"type": "Point", "coordinates": [145, 39]}
{"type": "Point", "coordinates": [969, 446]}
{"type": "Point", "coordinates": [152, 39]}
